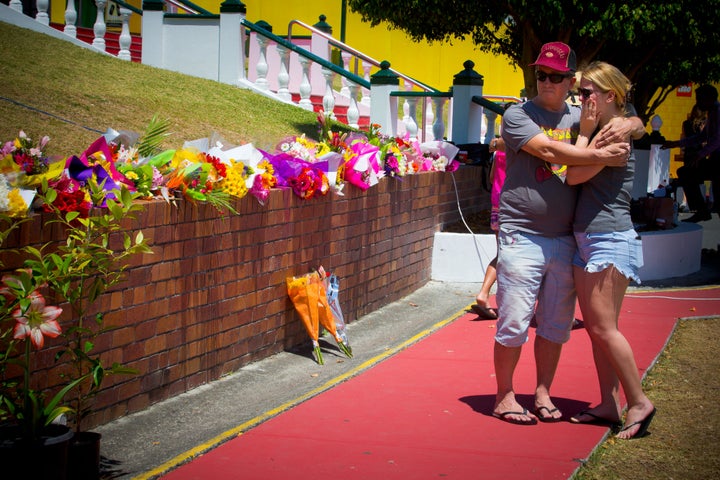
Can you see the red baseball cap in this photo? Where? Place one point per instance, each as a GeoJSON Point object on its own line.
{"type": "Point", "coordinates": [558, 56]}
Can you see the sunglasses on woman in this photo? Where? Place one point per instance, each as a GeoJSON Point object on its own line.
{"type": "Point", "coordinates": [554, 77]}
{"type": "Point", "coordinates": [585, 93]}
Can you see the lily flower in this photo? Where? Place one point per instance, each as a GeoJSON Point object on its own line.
{"type": "Point", "coordinates": [37, 321]}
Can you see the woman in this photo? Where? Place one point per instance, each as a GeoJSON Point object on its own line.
{"type": "Point", "coordinates": [609, 256]}
{"type": "Point", "coordinates": [497, 177]}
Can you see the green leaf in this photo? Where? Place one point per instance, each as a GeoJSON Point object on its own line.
{"type": "Point", "coordinates": [151, 140]}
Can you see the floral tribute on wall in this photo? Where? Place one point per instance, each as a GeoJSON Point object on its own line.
{"type": "Point", "coordinates": [211, 170]}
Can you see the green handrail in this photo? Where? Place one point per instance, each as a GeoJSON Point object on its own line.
{"type": "Point", "coordinates": [489, 104]}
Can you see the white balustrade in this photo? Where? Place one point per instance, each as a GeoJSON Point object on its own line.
{"type": "Point", "coordinates": [329, 97]}
{"type": "Point", "coordinates": [305, 86]}
{"type": "Point", "coordinates": [125, 37]}
{"type": "Point", "coordinates": [353, 113]}
{"type": "Point", "coordinates": [365, 92]}
{"type": "Point", "coordinates": [345, 56]}
{"type": "Point", "coordinates": [16, 5]}
{"type": "Point", "coordinates": [284, 75]}
{"type": "Point", "coordinates": [262, 66]}
{"type": "Point", "coordinates": [438, 129]}
{"type": "Point", "coordinates": [406, 104]}
{"type": "Point", "coordinates": [42, 9]}
{"type": "Point", "coordinates": [99, 27]}
{"type": "Point", "coordinates": [410, 123]}
{"type": "Point", "coordinates": [70, 18]}
{"type": "Point", "coordinates": [429, 117]}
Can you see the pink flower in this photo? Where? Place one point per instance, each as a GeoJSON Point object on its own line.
{"type": "Point", "coordinates": [37, 321]}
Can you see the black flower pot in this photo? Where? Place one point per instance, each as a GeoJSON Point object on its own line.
{"type": "Point", "coordinates": [44, 458]}
{"type": "Point", "coordinates": [84, 456]}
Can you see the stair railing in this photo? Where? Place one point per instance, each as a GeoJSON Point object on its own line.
{"type": "Point", "coordinates": [353, 60]}
{"type": "Point", "coordinates": [281, 53]}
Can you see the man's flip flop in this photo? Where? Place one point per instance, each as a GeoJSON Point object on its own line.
{"type": "Point", "coordinates": [596, 420]}
{"type": "Point", "coordinates": [485, 313]}
{"type": "Point", "coordinates": [504, 417]}
{"type": "Point", "coordinates": [549, 418]}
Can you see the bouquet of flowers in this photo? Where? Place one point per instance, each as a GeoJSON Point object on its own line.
{"type": "Point", "coordinates": [30, 158]}
{"type": "Point", "coordinates": [439, 156]}
{"type": "Point", "coordinates": [311, 303]}
{"type": "Point", "coordinates": [248, 171]}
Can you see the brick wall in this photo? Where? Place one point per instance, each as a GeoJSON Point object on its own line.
{"type": "Point", "coordinates": [212, 297]}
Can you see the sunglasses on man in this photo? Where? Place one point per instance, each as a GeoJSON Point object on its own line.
{"type": "Point", "coordinates": [554, 77]}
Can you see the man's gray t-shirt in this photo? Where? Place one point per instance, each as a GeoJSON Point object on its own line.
{"type": "Point", "coordinates": [535, 198]}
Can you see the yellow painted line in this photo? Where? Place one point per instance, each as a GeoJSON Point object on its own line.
{"type": "Point", "coordinates": [240, 429]}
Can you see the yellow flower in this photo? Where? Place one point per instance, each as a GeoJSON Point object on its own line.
{"type": "Point", "coordinates": [234, 181]}
{"type": "Point", "coordinates": [16, 204]}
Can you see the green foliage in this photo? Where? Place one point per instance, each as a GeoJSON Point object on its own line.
{"type": "Point", "coordinates": [658, 45]}
{"type": "Point", "coordinates": [93, 259]}
{"type": "Point", "coordinates": [150, 143]}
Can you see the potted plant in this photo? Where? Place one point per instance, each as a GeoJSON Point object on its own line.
{"type": "Point", "coordinates": [92, 260]}
{"type": "Point", "coordinates": [27, 430]}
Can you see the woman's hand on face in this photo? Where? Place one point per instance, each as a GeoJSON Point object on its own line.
{"type": "Point", "coordinates": [588, 118]}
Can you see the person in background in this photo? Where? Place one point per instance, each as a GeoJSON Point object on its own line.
{"type": "Point", "coordinates": [609, 255]}
{"type": "Point", "coordinates": [497, 177]}
{"type": "Point", "coordinates": [707, 166]}
{"type": "Point", "coordinates": [535, 239]}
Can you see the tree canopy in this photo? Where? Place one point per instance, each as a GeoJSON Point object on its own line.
{"type": "Point", "coordinates": [658, 45]}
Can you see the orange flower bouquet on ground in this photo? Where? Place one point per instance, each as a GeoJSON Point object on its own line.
{"type": "Point", "coordinates": [310, 300]}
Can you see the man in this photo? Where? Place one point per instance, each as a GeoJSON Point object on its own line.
{"type": "Point", "coordinates": [707, 167]}
{"type": "Point", "coordinates": [535, 241]}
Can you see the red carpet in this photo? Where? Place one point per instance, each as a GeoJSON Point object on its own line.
{"type": "Point", "coordinates": [426, 412]}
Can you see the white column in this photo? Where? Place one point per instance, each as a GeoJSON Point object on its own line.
{"type": "Point", "coordinates": [153, 33]}
{"type": "Point", "coordinates": [231, 52]}
{"type": "Point", "coordinates": [439, 125]}
{"type": "Point", "coordinates": [411, 122]}
{"type": "Point", "coordinates": [42, 15]}
{"type": "Point", "coordinates": [384, 107]}
{"type": "Point", "coordinates": [467, 115]}
{"type": "Point", "coordinates": [125, 38]}
{"type": "Point", "coordinates": [262, 66]}
{"type": "Point", "coordinates": [365, 93]}
{"type": "Point", "coordinates": [70, 19]}
{"type": "Point", "coordinates": [353, 113]}
{"type": "Point", "coordinates": [99, 27]}
{"type": "Point", "coordinates": [345, 90]}
{"type": "Point", "coordinates": [429, 117]}
{"type": "Point", "coordinates": [284, 75]}
{"type": "Point", "coordinates": [305, 87]}
{"type": "Point", "coordinates": [406, 102]}
{"type": "Point", "coordinates": [329, 97]}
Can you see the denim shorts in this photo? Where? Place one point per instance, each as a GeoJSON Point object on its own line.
{"type": "Point", "coordinates": [598, 251]}
{"type": "Point", "coordinates": [532, 270]}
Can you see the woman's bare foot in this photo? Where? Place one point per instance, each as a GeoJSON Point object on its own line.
{"type": "Point", "coordinates": [637, 421]}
